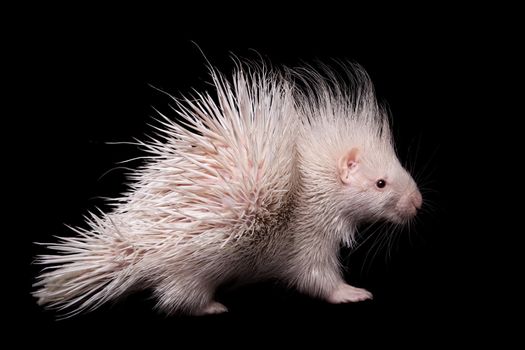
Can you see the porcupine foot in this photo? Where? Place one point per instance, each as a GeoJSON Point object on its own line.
{"type": "Point", "coordinates": [189, 296]}
{"type": "Point", "coordinates": [212, 308]}
{"type": "Point", "coordinates": [345, 293]}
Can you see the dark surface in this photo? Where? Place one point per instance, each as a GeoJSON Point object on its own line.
{"type": "Point", "coordinates": [85, 86]}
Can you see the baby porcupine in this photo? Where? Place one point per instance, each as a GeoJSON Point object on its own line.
{"type": "Point", "coordinates": [266, 180]}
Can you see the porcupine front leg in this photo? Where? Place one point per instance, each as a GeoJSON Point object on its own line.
{"type": "Point", "coordinates": [320, 276]}
{"type": "Point", "coordinates": [345, 293]}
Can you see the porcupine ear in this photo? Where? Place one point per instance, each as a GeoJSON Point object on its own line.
{"type": "Point", "coordinates": [348, 165]}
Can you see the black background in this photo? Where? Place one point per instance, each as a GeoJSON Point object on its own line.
{"type": "Point", "coordinates": [82, 82]}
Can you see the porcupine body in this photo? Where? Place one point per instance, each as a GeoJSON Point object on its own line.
{"type": "Point", "coordinates": [260, 182]}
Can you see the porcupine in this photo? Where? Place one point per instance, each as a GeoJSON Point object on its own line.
{"type": "Point", "coordinates": [266, 180]}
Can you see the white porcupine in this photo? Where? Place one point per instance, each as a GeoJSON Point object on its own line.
{"type": "Point", "coordinates": [265, 181]}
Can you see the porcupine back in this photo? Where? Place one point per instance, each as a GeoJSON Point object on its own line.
{"type": "Point", "coordinates": [215, 180]}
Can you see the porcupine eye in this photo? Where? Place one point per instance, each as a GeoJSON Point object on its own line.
{"type": "Point", "coordinates": [381, 183]}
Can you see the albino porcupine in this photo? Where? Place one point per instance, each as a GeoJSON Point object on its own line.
{"type": "Point", "coordinates": [266, 180]}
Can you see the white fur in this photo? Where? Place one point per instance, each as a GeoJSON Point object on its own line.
{"type": "Point", "coordinates": [250, 185]}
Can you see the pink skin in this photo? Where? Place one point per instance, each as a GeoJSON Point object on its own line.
{"type": "Point", "coordinates": [410, 203]}
{"type": "Point", "coordinates": [345, 293]}
{"type": "Point", "coordinates": [214, 307]}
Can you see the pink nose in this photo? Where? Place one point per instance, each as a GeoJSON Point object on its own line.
{"type": "Point", "coordinates": [416, 199]}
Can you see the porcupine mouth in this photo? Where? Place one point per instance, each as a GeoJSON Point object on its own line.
{"type": "Point", "coordinates": [403, 215]}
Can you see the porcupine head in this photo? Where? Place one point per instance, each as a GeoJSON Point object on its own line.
{"type": "Point", "coordinates": [350, 175]}
{"type": "Point", "coordinates": [314, 162]}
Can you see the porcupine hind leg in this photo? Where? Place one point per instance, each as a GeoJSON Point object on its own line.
{"type": "Point", "coordinates": [187, 296]}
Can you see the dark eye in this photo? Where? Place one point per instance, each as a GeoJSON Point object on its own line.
{"type": "Point", "coordinates": [381, 183]}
